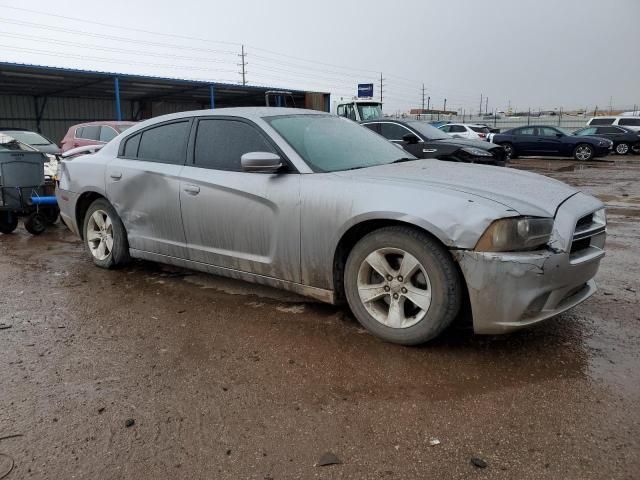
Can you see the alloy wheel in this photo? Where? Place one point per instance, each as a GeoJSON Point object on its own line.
{"type": "Point", "coordinates": [100, 234]}
{"type": "Point", "coordinates": [583, 152]}
{"type": "Point", "coordinates": [394, 287]}
{"type": "Point", "coordinates": [622, 149]}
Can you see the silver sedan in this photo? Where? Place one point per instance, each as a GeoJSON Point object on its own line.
{"type": "Point", "coordinates": [318, 205]}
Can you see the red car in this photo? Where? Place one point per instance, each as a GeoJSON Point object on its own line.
{"type": "Point", "coordinates": [92, 133]}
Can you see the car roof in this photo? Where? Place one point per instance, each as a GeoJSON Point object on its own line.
{"type": "Point", "coordinates": [110, 123]}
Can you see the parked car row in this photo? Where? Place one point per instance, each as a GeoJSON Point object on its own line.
{"type": "Point", "coordinates": [319, 205]}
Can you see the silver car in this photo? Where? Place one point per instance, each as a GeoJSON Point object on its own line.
{"type": "Point", "coordinates": [321, 206]}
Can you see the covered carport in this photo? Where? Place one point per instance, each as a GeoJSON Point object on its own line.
{"type": "Point", "coordinates": [51, 99]}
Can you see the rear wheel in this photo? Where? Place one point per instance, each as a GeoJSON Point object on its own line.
{"type": "Point", "coordinates": [104, 235]}
{"type": "Point", "coordinates": [8, 222]}
{"type": "Point", "coordinates": [583, 152]}
{"type": "Point", "coordinates": [35, 224]}
{"type": "Point", "coordinates": [402, 285]}
{"type": "Point", "coordinates": [622, 148]}
{"type": "Point", "coordinates": [509, 150]}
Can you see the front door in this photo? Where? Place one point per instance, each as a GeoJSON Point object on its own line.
{"type": "Point", "coordinates": [143, 184]}
{"type": "Point", "coordinates": [235, 219]}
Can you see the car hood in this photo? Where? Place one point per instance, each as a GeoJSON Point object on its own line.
{"type": "Point", "coordinates": [51, 149]}
{"type": "Point", "coordinates": [460, 142]}
{"type": "Point", "coordinates": [525, 192]}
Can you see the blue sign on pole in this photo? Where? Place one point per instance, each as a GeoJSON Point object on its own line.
{"type": "Point", "coordinates": [365, 90]}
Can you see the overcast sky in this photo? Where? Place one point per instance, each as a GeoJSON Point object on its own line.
{"type": "Point", "coordinates": [541, 54]}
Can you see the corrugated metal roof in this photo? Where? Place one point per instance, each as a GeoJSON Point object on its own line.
{"type": "Point", "coordinates": [44, 81]}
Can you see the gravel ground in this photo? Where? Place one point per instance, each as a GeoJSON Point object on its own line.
{"type": "Point", "coordinates": [150, 372]}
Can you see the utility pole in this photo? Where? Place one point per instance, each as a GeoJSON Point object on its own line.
{"type": "Point", "coordinates": [381, 85]}
{"type": "Point", "coordinates": [610, 105]}
{"type": "Point", "coordinates": [486, 105]}
{"type": "Point", "coordinates": [422, 98]}
{"type": "Point", "coordinates": [428, 103]}
{"type": "Point", "coordinates": [445, 106]}
{"type": "Point", "coordinates": [480, 113]}
{"type": "Point", "coordinates": [243, 65]}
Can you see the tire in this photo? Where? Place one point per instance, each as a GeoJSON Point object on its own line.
{"type": "Point", "coordinates": [391, 314]}
{"type": "Point", "coordinates": [8, 222]}
{"type": "Point", "coordinates": [104, 235]}
{"type": "Point", "coordinates": [50, 214]}
{"type": "Point", "coordinates": [583, 152]}
{"type": "Point", "coordinates": [622, 148]}
{"type": "Point", "coordinates": [509, 150]}
{"type": "Point", "coordinates": [35, 224]}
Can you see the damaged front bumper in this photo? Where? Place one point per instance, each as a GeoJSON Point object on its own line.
{"type": "Point", "coordinates": [509, 291]}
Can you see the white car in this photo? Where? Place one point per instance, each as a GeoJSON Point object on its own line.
{"type": "Point", "coordinates": [466, 130]}
{"type": "Point", "coordinates": [628, 121]}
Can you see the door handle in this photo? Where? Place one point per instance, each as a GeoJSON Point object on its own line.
{"type": "Point", "coordinates": [192, 189]}
{"type": "Point", "coordinates": [116, 175]}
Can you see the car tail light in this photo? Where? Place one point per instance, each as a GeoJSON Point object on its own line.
{"type": "Point", "coordinates": [482, 135]}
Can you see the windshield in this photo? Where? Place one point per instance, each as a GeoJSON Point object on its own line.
{"type": "Point", "coordinates": [30, 138]}
{"type": "Point", "coordinates": [328, 143]}
{"type": "Point", "coordinates": [9, 143]}
{"type": "Point", "coordinates": [480, 129]}
{"type": "Point", "coordinates": [369, 111]}
{"type": "Point", "coordinates": [429, 132]}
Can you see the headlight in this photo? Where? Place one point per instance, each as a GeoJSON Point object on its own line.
{"type": "Point", "coordinates": [516, 234]}
{"type": "Point", "coordinates": [600, 216]}
{"type": "Point", "coordinates": [477, 152]}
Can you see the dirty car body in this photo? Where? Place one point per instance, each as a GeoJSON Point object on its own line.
{"type": "Point", "coordinates": [294, 227]}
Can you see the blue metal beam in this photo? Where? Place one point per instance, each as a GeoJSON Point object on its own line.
{"type": "Point", "coordinates": [116, 82]}
{"type": "Point", "coordinates": [212, 96]}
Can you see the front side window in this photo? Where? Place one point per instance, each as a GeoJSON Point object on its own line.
{"type": "Point", "coordinates": [107, 134]}
{"type": "Point", "coordinates": [221, 143]}
{"type": "Point", "coordinates": [329, 143]}
{"type": "Point", "coordinates": [547, 131]}
{"type": "Point", "coordinates": [393, 131]}
{"type": "Point", "coordinates": [166, 143]}
{"type": "Point", "coordinates": [428, 131]}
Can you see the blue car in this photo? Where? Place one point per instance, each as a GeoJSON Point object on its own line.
{"type": "Point", "coordinates": [542, 140]}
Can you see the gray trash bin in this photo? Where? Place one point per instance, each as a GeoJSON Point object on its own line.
{"type": "Point", "coordinates": [21, 173]}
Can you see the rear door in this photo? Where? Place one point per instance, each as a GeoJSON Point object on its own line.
{"type": "Point", "coordinates": [234, 219]}
{"type": "Point", "coordinates": [143, 184]}
{"type": "Point", "coordinates": [524, 140]}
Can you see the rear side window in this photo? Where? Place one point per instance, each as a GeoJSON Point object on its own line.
{"type": "Point", "coordinates": [609, 130]}
{"type": "Point", "coordinates": [221, 143]}
{"type": "Point", "coordinates": [634, 122]}
{"type": "Point", "coordinates": [525, 131]}
{"type": "Point", "coordinates": [165, 144]}
{"type": "Point", "coordinates": [601, 121]}
{"type": "Point", "coordinates": [107, 134]}
{"type": "Point", "coordinates": [457, 129]}
{"type": "Point", "coordinates": [91, 132]}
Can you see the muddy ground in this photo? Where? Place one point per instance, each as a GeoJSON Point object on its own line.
{"type": "Point", "coordinates": [225, 380]}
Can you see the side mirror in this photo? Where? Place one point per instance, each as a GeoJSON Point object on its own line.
{"type": "Point", "coordinates": [410, 138]}
{"type": "Point", "coordinates": [261, 162]}
{"type": "Point", "coordinates": [559, 135]}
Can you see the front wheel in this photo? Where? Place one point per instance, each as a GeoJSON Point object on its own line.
{"type": "Point", "coordinates": [509, 151]}
{"type": "Point", "coordinates": [402, 285]}
{"type": "Point", "coordinates": [105, 236]}
{"type": "Point", "coordinates": [622, 148]}
{"type": "Point", "coordinates": [583, 152]}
